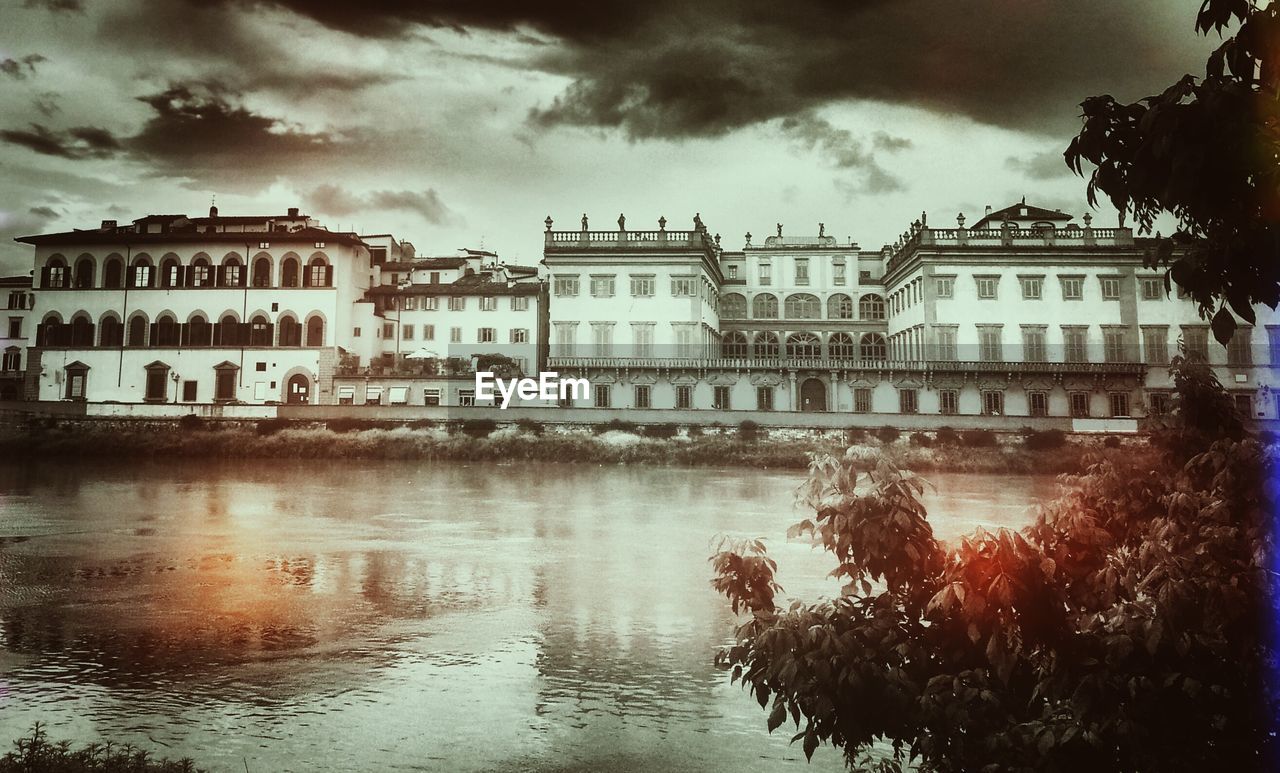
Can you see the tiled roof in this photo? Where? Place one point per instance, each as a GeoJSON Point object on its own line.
{"type": "Point", "coordinates": [95, 236]}
{"type": "Point", "coordinates": [1014, 212]}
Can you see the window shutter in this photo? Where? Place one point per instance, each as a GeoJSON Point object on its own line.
{"type": "Point", "coordinates": [306, 276]}
{"type": "Point", "coordinates": [271, 334]}
{"type": "Point", "coordinates": [328, 276]}
{"type": "Point", "coordinates": [151, 276]}
{"type": "Point", "coordinates": [42, 335]}
{"type": "Point", "coordinates": [44, 276]}
{"type": "Point", "coordinates": [219, 278]}
{"type": "Point", "coordinates": [244, 277]}
{"type": "Point", "coordinates": [243, 333]}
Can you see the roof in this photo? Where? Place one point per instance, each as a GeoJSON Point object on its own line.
{"type": "Point", "coordinates": [1014, 212]}
{"type": "Point", "coordinates": [15, 281]}
{"type": "Point", "coordinates": [419, 263]}
{"type": "Point", "coordinates": [520, 269]}
{"type": "Point", "coordinates": [119, 236]}
{"type": "Point", "coordinates": [468, 285]}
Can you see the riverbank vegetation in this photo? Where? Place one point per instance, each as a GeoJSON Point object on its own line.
{"type": "Point", "coordinates": [37, 754]}
{"type": "Point", "coordinates": [616, 442]}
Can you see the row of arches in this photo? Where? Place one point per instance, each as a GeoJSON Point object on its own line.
{"type": "Point", "coordinates": [802, 306]}
{"type": "Point", "coordinates": [166, 331]}
{"type": "Point", "coordinates": [202, 271]}
{"type": "Point", "coordinates": [869, 347]}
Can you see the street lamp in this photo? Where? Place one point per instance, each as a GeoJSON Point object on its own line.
{"type": "Point", "coordinates": [175, 378]}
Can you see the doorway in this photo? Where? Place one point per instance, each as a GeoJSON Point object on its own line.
{"type": "Point", "coordinates": [813, 395]}
{"type": "Point", "coordinates": [298, 390]}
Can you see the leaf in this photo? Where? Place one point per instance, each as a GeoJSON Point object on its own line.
{"type": "Point", "coordinates": [778, 715]}
{"type": "Point", "coordinates": [810, 743]}
{"type": "Point", "coordinates": [1224, 325]}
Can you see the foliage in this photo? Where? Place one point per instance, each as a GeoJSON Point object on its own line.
{"type": "Point", "coordinates": [500, 365]}
{"type": "Point", "coordinates": [478, 428]}
{"type": "Point", "coordinates": [1045, 440]}
{"type": "Point", "coordinates": [946, 436]}
{"type": "Point", "coordinates": [921, 440]}
{"type": "Point", "coordinates": [1123, 631]}
{"type": "Point", "coordinates": [660, 430]}
{"type": "Point", "coordinates": [979, 438]}
{"type": "Point", "coordinates": [616, 425]}
{"type": "Point", "coordinates": [855, 436]}
{"type": "Point", "coordinates": [748, 431]}
{"type": "Point", "coordinates": [191, 423]}
{"type": "Point", "coordinates": [887, 434]}
{"type": "Point", "coordinates": [532, 426]}
{"type": "Point", "coordinates": [1208, 151]}
{"type": "Point", "coordinates": [271, 426]}
{"type": "Point", "coordinates": [350, 424]}
{"type": "Point", "coordinates": [36, 754]}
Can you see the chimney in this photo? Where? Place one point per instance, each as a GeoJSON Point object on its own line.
{"type": "Point", "coordinates": [108, 225]}
{"type": "Point", "coordinates": [213, 211]}
{"type": "Point", "coordinates": [293, 211]}
{"type": "Point", "coordinates": [988, 210]}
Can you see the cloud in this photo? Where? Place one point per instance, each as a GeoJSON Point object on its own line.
{"type": "Point", "coordinates": [846, 153]}
{"type": "Point", "coordinates": [48, 213]}
{"type": "Point", "coordinates": [77, 143]}
{"type": "Point", "coordinates": [332, 200]}
{"type": "Point", "coordinates": [67, 6]}
{"type": "Point", "coordinates": [20, 69]}
{"type": "Point", "coordinates": [1040, 166]}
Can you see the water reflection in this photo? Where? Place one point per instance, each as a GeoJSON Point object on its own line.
{"type": "Point", "coordinates": [346, 616]}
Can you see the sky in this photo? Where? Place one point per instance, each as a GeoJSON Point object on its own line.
{"type": "Point", "coordinates": [461, 123]}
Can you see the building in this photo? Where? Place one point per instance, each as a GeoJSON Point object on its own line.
{"type": "Point", "coordinates": [15, 336]}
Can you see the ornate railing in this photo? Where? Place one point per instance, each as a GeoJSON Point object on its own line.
{"type": "Point", "coordinates": [798, 363]}
{"type": "Point", "coordinates": [631, 239]}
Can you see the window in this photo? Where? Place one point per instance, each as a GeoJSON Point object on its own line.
{"type": "Point", "coordinates": [731, 272]}
{"type": "Point", "coordinates": [1034, 348]}
{"type": "Point", "coordinates": [733, 306]}
{"type": "Point", "coordinates": [1032, 287]}
{"type": "Point", "coordinates": [455, 335]}
{"type": "Point", "coordinates": [233, 274]}
{"type": "Point", "coordinates": [840, 346]}
{"type": "Point", "coordinates": [1239, 351]}
{"type": "Point", "coordinates": [803, 346]}
{"type": "Point", "coordinates": [871, 307]}
{"type": "Point", "coordinates": [224, 383]}
{"type": "Point", "coordinates": [1119, 404]}
{"type": "Point", "coordinates": [802, 306]}
{"type": "Point", "coordinates": [428, 332]}
{"type": "Point", "coordinates": [604, 393]}
{"type": "Point", "coordinates": [987, 287]}
{"type": "Point", "coordinates": [409, 303]}
{"type": "Point", "coordinates": [1113, 346]}
{"type": "Point", "coordinates": [908, 401]}
{"type": "Point", "coordinates": [1244, 404]}
{"type": "Point", "coordinates": [457, 303]}
{"type": "Point", "coordinates": [435, 277]}
{"type": "Point", "coordinates": [431, 396]}
{"type": "Point", "coordinates": [76, 377]}
{"type": "Point", "coordinates": [873, 347]}
{"type": "Point", "coordinates": [12, 360]}
{"type": "Point", "coordinates": [992, 402]}
{"type": "Point", "coordinates": [766, 345]}
{"type": "Point", "coordinates": [566, 286]}
{"type": "Point", "coordinates": [430, 303]}
{"type": "Point", "coordinates": [862, 400]}
{"type": "Point", "coordinates": [1196, 342]}
{"type": "Point", "coordinates": [602, 286]}
{"type": "Point", "coordinates": [1072, 288]}
{"type": "Point", "coordinates": [519, 335]}
{"type": "Point", "coordinates": [839, 306]}
{"type": "Point", "coordinates": [1155, 345]}
{"type": "Point", "coordinates": [1075, 344]}
{"type": "Point", "coordinates": [15, 327]}
{"type": "Point", "coordinates": [764, 306]}
{"type": "Point", "coordinates": [566, 338]}
{"type": "Point", "coordinates": [1273, 341]}
{"type": "Point", "coordinates": [642, 338]}
{"type": "Point", "coordinates": [989, 346]}
{"type": "Point", "coordinates": [684, 287]}
{"type": "Point", "coordinates": [734, 346]}
{"type": "Point", "coordinates": [1038, 403]}
{"type": "Point", "coordinates": [142, 275]}
{"type": "Point", "coordinates": [1110, 287]}
{"type": "Point", "coordinates": [684, 339]}
{"type": "Point", "coordinates": [1152, 288]}
{"type": "Point", "coordinates": [406, 332]}
{"type": "Point", "coordinates": [946, 348]}
{"type": "Point", "coordinates": [1158, 403]}
{"type": "Point", "coordinates": [839, 276]}
{"type": "Point", "coordinates": [764, 398]}
{"type": "Point", "coordinates": [466, 397]}
{"type": "Point", "coordinates": [948, 402]}
{"type": "Point", "coordinates": [945, 287]}
{"type": "Point", "coordinates": [643, 396]}
{"type": "Point", "coordinates": [487, 335]}
{"type": "Point", "coordinates": [642, 286]}
{"type": "Point", "coordinates": [602, 338]}
{"type": "Point", "coordinates": [720, 398]}
{"type": "Point", "coordinates": [684, 396]}
{"type": "Point", "coordinates": [519, 303]}
{"type": "Point", "coordinates": [1079, 404]}
{"type": "Point", "coordinates": [157, 382]}
{"type": "Point", "coordinates": [802, 271]}
{"type": "Point", "coordinates": [355, 332]}
{"type": "Point", "coordinates": [388, 330]}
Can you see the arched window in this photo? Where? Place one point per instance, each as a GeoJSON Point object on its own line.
{"type": "Point", "coordinates": [142, 274]}
{"type": "Point", "coordinates": [201, 273]}
{"type": "Point", "coordinates": [137, 330]}
{"type": "Point", "coordinates": [84, 272]}
{"type": "Point", "coordinates": [289, 273]}
{"type": "Point", "coordinates": [765, 345]}
{"type": "Point", "coordinates": [803, 345]}
{"type": "Point", "coordinates": [81, 330]}
{"type": "Point", "coordinates": [839, 306]}
{"type": "Point", "coordinates": [872, 347]}
{"type": "Point", "coordinates": [290, 332]}
{"type": "Point", "coordinates": [12, 360]}
{"type": "Point", "coordinates": [803, 306]}
{"type": "Point", "coordinates": [262, 272]}
{"type": "Point", "coordinates": [734, 345]}
{"type": "Point", "coordinates": [733, 306]}
{"type": "Point", "coordinates": [198, 331]}
{"type": "Point", "coordinates": [166, 332]}
{"type": "Point", "coordinates": [259, 331]}
{"type": "Point", "coordinates": [113, 273]}
{"type": "Point", "coordinates": [840, 346]}
{"type": "Point", "coordinates": [171, 272]}
{"type": "Point", "coordinates": [110, 331]}
{"type": "Point", "coordinates": [764, 306]}
{"type": "Point", "coordinates": [315, 330]}
{"type": "Point", "coordinates": [232, 272]}
{"type": "Point", "coordinates": [871, 307]}
{"type": "Point", "coordinates": [51, 331]}
{"type": "Point", "coordinates": [319, 273]}
{"type": "Point", "coordinates": [55, 275]}
{"type": "Point", "coordinates": [227, 331]}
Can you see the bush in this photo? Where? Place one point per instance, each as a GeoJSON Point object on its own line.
{"type": "Point", "coordinates": [922, 440]}
{"type": "Point", "coordinates": [529, 425]}
{"type": "Point", "coordinates": [1111, 442]}
{"type": "Point", "coordinates": [855, 436]}
{"type": "Point", "coordinates": [946, 436]}
{"type": "Point", "coordinates": [1266, 436]}
{"type": "Point", "coordinates": [190, 423]}
{"type": "Point", "coordinates": [748, 431]}
{"type": "Point", "coordinates": [271, 426]}
{"type": "Point", "coordinates": [694, 431]}
{"type": "Point", "coordinates": [349, 425]}
{"type": "Point", "coordinates": [478, 428]}
{"type": "Point", "coordinates": [1045, 440]}
{"type": "Point", "coordinates": [663, 431]}
{"type": "Point", "coordinates": [617, 425]}
{"type": "Point", "coordinates": [887, 434]}
{"type": "Point", "coordinates": [421, 424]}
{"type": "Point", "coordinates": [35, 754]}
{"type": "Point", "coordinates": [979, 438]}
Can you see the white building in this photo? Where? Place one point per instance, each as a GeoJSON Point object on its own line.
{"type": "Point", "coordinates": [15, 336]}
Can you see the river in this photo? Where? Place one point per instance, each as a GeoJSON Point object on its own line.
{"type": "Point", "coordinates": [309, 616]}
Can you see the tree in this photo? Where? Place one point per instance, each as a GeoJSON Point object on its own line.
{"type": "Point", "coordinates": [1208, 151]}
{"type": "Point", "coordinates": [1124, 630]}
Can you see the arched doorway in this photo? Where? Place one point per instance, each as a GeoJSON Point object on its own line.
{"type": "Point", "coordinates": [298, 390]}
{"type": "Point", "coordinates": [813, 395]}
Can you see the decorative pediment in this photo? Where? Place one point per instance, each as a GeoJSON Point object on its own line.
{"type": "Point", "coordinates": [157, 365]}
{"type": "Point", "coordinates": [765, 379]}
{"type": "Point", "coordinates": [643, 377]}
{"type": "Point", "coordinates": [992, 381]}
{"type": "Point", "coordinates": [684, 378]}
{"type": "Point", "coordinates": [722, 379]}
{"type": "Point", "coordinates": [226, 365]}
{"type": "Point", "coordinates": [948, 380]}
{"type": "Point", "coordinates": [1076, 383]}
{"type": "Point", "coordinates": [1037, 383]}
{"type": "Point", "coordinates": [860, 379]}
{"type": "Point", "coordinates": [908, 381]}
{"type": "Point", "coordinates": [604, 377]}
{"type": "Point", "coordinates": [77, 365]}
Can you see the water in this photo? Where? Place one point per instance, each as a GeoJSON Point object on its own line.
{"type": "Point", "coordinates": [395, 616]}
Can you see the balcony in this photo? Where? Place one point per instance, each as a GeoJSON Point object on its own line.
{"type": "Point", "coordinates": [628, 240]}
{"type": "Point", "coordinates": [827, 364]}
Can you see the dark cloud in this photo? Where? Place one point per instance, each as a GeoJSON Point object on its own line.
{"type": "Point", "coordinates": [1040, 166]}
{"type": "Point", "coordinates": [70, 6]}
{"type": "Point", "coordinates": [845, 152]}
{"type": "Point", "coordinates": [21, 68]}
{"type": "Point", "coordinates": [890, 143]}
{"type": "Point", "coordinates": [46, 103]}
{"type": "Point", "coordinates": [76, 143]}
{"type": "Point", "coordinates": [677, 69]}
{"type": "Point", "coordinates": [339, 202]}
{"type": "Point", "coordinates": [48, 213]}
